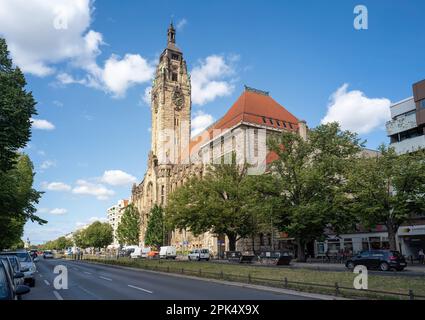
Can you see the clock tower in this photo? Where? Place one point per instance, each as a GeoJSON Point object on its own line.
{"type": "Point", "coordinates": [171, 106]}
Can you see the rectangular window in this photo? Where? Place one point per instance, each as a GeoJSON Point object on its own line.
{"type": "Point", "coordinates": [174, 76]}
{"type": "Point", "coordinates": [422, 104]}
{"type": "Point", "coordinates": [175, 56]}
{"type": "Point", "coordinates": [255, 143]}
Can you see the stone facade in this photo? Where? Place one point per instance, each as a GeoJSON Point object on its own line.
{"type": "Point", "coordinates": [174, 156]}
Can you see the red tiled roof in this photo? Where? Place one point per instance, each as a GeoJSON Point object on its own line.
{"type": "Point", "coordinates": [252, 107]}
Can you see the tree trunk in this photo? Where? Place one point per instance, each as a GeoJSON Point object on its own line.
{"type": "Point", "coordinates": [392, 237]}
{"type": "Point", "coordinates": [301, 251]}
{"type": "Point", "coordinates": [232, 242]}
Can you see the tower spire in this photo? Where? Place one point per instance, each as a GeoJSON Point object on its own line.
{"type": "Point", "coordinates": [171, 33]}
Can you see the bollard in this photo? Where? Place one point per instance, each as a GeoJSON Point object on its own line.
{"type": "Point", "coordinates": [182, 270]}
{"type": "Point", "coordinates": [285, 281]}
{"type": "Point", "coordinates": [249, 278]}
{"type": "Point", "coordinates": [336, 289]}
{"type": "Point", "coordinates": [222, 274]}
{"type": "Point", "coordinates": [200, 272]}
{"type": "Point", "coordinates": [411, 295]}
{"type": "Point", "coordinates": [168, 268]}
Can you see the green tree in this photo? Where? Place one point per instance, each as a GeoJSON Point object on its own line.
{"type": "Point", "coordinates": [311, 179]}
{"type": "Point", "coordinates": [63, 243]}
{"type": "Point", "coordinates": [17, 106]}
{"type": "Point", "coordinates": [388, 189]}
{"type": "Point", "coordinates": [17, 201]}
{"type": "Point", "coordinates": [80, 239]}
{"type": "Point", "coordinates": [128, 229]}
{"type": "Point", "coordinates": [219, 203]}
{"type": "Point", "coordinates": [155, 231]}
{"type": "Point", "coordinates": [99, 235]}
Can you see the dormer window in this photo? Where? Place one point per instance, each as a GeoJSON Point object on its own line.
{"type": "Point", "coordinates": [278, 123]}
{"type": "Point", "coordinates": [290, 125]}
{"type": "Point", "coordinates": [271, 121]}
{"type": "Point", "coordinates": [264, 120]}
{"type": "Point", "coordinates": [284, 124]}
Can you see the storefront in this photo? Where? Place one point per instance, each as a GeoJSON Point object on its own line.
{"type": "Point", "coordinates": [411, 239]}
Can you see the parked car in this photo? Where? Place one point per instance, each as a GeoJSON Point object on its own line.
{"type": "Point", "coordinates": [140, 252]}
{"type": "Point", "coordinates": [8, 291]}
{"type": "Point", "coordinates": [19, 275]}
{"type": "Point", "coordinates": [199, 254]}
{"type": "Point", "coordinates": [48, 254]}
{"type": "Point", "coordinates": [28, 267]}
{"type": "Point", "coordinates": [167, 252]}
{"type": "Point", "coordinates": [383, 260]}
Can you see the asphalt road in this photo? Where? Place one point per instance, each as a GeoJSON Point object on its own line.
{"type": "Point", "coordinates": [101, 282]}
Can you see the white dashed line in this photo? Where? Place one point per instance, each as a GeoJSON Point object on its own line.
{"type": "Point", "coordinates": [41, 276]}
{"type": "Point", "coordinates": [87, 272]}
{"type": "Point", "coordinates": [141, 289]}
{"type": "Point", "coordinates": [46, 282]}
{"type": "Point", "coordinates": [104, 278]}
{"type": "Point", "coordinates": [57, 295]}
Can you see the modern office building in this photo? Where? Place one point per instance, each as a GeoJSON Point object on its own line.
{"type": "Point", "coordinates": [406, 128]}
{"type": "Point", "coordinates": [114, 214]}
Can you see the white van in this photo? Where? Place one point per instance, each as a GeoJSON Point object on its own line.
{"type": "Point", "coordinates": [199, 254]}
{"type": "Point", "coordinates": [167, 252]}
{"type": "Point", "coordinates": [140, 252]}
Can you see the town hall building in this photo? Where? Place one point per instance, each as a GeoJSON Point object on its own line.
{"type": "Point", "coordinates": [175, 155]}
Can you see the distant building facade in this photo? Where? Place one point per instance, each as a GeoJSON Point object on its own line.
{"type": "Point", "coordinates": [114, 215]}
{"type": "Point", "coordinates": [406, 128]}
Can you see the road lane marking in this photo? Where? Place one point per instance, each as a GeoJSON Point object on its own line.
{"type": "Point", "coordinates": [41, 276]}
{"type": "Point", "coordinates": [89, 292]}
{"type": "Point", "coordinates": [46, 282]}
{"type": "Point", "coordinates": [141, 289]}
{"type": "Point", "coordinates": [104, 278]}
{"type": "Point", "coordinates": [87, 272]}
{"type": "Point", "coordinates": [57, 295]}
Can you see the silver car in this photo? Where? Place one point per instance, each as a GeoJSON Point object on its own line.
{"type": "Point", "coordinates": [199, 254]}
{"type": "Point", "coordinates": [27, 264]}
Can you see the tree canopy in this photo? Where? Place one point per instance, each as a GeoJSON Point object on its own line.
{"type": "Point", "coordinates": [128, 229]}
{"type": "Point", "coordinates": [155, 231]}
{"type": "Point", "coordinates": [388, 189]}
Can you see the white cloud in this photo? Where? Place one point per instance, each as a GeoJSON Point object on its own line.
{"type": "Point", "coordinates": [208, 79]}
{"type": "Point", "coordinates": [98, 190]}
{"type": "Point", "coordinates": [146, 96]}
{"type": "Point", "coordinates": [56, 186]}
{"type": "Point", "coordinates": [47, 164]}
{"type": "Point", "coordinates": [200, 122]}
{"type": "Point", "coordinates": [58, 211]}
{"type": "Point", "coordinates": [43, 33]}
{"type": "Point", "coordinates": [57, 103]}
{"type": "Point", "coordinates": [41, 124]}
{"type": "Point", "coordinates": [120, 74]}
{"type": "Point", "coordinates": [356, 112]}
{"type": "Point", "coordinates": [180, 24]}
{"type": "Point", "coordinates": [117, 178]}
{"type": "Point", "coordinates": [81, 224]}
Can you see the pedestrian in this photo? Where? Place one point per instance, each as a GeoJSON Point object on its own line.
{"type": "Point", "coordinates": [421, 255]}
{"type": "Point", "coordinates": [327, 255]}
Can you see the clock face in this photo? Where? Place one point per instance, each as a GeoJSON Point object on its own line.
{"type": "Point", "coordinates": [178, 99]}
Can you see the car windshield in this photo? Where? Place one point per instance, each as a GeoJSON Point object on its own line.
{"type": "Point", "coordinates": [23, 256]}
{"type": "Point", "coordinates": [14, 263]}
{"type": "Point", "coordinates": [3, 284]}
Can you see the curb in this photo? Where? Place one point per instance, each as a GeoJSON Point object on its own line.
{"type": "Point", "coordinates": [230, 283]}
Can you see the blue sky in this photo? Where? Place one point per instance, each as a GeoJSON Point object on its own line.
{"type": "Point", "coordinates": [90, 79]}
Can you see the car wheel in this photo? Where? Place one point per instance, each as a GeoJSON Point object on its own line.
{"type": "Point", "coordinates": [384, 266]}
{"type": "Point", "coordinates": [350, 265]}
{"type": "Point", "coordinates": [207, 259]}
{"type": "Point", "coordinates": [400, 269]}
